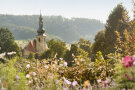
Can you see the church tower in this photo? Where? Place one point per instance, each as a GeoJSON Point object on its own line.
{"type": "Point", "coordinates": [41, 44]}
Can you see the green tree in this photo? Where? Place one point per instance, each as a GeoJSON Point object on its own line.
{"type": "Point", "coordinates": [7, 42]}
{"type": "Point", "coordinates": [56, 47]}
{"type": "Point", "coordinates": [31, 55]}
{"type": "Point", "coordinates": [99, 44]}
{"type": "Point", "coordinates": [73, 53]}
{"type": "Point", "coordinates": [117, 21]}
{"type": "Point", "coordinates": [85, 45]}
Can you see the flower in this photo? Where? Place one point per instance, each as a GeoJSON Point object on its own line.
{"type": "Point", "coordinates": [35, 78]}
{"type": "Point", "coordinates": [86, 85]}
{"type": "Point", "coordinates": [28, 66]}
{"type": "Point", "coordinates": [127, 61]}
{"type": "Point", "coordinates": [66, 81]}
{"type": "Point", "coordinates": [57, 81]}
{"type": "Point", "coordinates": [106, 82]}
{"type": "Point", "coordinates": [128, 77]}
{"type": "Point", "coordinates": [34, 74]}
{"type": "Point", "coordinates": [17, 77]}
{"type": "Point", "coordinates": [134, 63]}
{"type": "Point", "coordinates": [99, 80]}
{"type": "Point", "coordinates": [2, 55]}
{"type": "Point", "coordinates": [11, 53]}
{"type": "Point", "coordinates": [46, 66]}
{"type": "Point", "coordinates": [60, 58]}
{"type": "Point", "coordinates": [29, 82]}
{"type": "Point", "coordinates": [65, 63]}
{"type": "Point", "coordinates": [27, 76]}
{"type": "Point", "coordinates": [133, 57]}
{"type": "Point", "coordinates": [74, 83]}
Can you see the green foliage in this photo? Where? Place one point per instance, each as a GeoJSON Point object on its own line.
{"type": "Point", "coordinates": [7, 42]}
{"type": "Point", "coordinates": [99, 44]}
{"type": "Point", "coordinates": [105, 41]}
{"type": "Point", "coordinates": [10, 77]}
{"type": "Point", "coordinates": [85, 45]}
{"type": "Point", "coordinates": [117, 21]}
{"type": "Point", "coordinates": [31, 55]}
{"type": "Point", "coordinates": [56, 47]}
{"type": "Point", "coordinates": [120, 79]}
{"type": "Point", "coordinates": [126, 47]}
{"type": "Point", "coordinates": [83, 69]}
{"type": "Point", "coordinates": [74, 52]}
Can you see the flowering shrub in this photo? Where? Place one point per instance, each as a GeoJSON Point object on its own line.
{"type": "Point", "coordinates": [124, 77]}
{"type": "Point", "coordinates": [55, 74]}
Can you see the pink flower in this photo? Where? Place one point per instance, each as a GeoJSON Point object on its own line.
{"type": "Point", "coordinates": [128, 77]}
{"type": "Point", "coordinates": [127, 61]}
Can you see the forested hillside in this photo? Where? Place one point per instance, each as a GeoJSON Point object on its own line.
{"type": "Point", "coordinates": [24, 27]}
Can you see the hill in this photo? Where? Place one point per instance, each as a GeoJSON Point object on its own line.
{"type": "Point", "coordinates": [24, 27]}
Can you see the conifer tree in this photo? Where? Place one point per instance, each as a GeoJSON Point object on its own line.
{"type": "Point", "coordinates": [117, 21]}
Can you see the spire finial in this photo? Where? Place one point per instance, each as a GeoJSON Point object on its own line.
{"type": "Point", "coordinates": [41, 30]}
{"type": "Point", "coordinates": [40, 13]}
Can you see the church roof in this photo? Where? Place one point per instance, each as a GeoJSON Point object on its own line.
{"type": "Point", "coordinates": [31, 46]}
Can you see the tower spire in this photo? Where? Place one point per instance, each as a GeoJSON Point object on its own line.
{"type": "Point", "coordinates": [40, 30]}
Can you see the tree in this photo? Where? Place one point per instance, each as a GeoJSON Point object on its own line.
{"type": "Point", "coordinates": [117, 21]}
{"type": "Point", "coordinates": [31, 55]}
{"type": "Point", "coordinates": [56, 47]}
{"type": "Point", "coordinates": [73, 53]}
{"type": "Point", "coordinates": [85, 45]}
{"type": "Point", "coordinates": [99, 44]}
{"type": "Point", "coordinates": [7, 42]}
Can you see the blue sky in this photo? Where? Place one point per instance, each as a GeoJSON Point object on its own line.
{"type": "Point", "coordinates": [92, 9]}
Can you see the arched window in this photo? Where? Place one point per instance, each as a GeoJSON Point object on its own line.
{"type": "Point", "coordinates": [39, 39]}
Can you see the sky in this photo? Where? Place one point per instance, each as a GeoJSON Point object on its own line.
{"type": "Point", "coordinates": [92, 9]}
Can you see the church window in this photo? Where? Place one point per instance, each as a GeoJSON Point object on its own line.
{"type": "Point", "coordinates": [39, 39]}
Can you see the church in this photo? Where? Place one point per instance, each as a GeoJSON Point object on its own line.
{"type": "Point", "coordinates": [39, 44]}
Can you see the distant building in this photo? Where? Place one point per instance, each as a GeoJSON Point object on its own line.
{"type": "Point", "coordinates": [39, 43]}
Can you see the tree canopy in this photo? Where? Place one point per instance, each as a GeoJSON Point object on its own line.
{"type": "Point", "coordinates": [7, 42]}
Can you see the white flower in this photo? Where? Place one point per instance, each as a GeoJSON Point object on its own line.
{"type": "Point", "coordinates": [27, 76]}
{"type": "Point", "coordinates": [27, 61]}
{"type": "Point", "coordinates": [133, 57]}
{"type": "Point", "coordinates": [29, 82]}
{"type": "Point", "coordinates": [61, 64]}
{"type": "Point", "coordinates": [74, 83]}
{"type": "Point", "coordinates": [2, 55]}
{"type": "Point", "coordinates": [57, 81]}
{"type": "Point", "coordinates": [46, 66]}
{"type": "Point", "coordinates": [99, 80]}
{"type": "Point", "coordinates": [34, 74]}
{"type": "Point", "coordinates": [11, 53]}
{"type": "Point", "coordinates": [17, 77]}
{"type": "Point", "coordinates": [65, 64]}
{"type": "Point", "coordinates": [134, 63]}
{"type": "Point", "coordinates": [66, 81]}
{"type": "Point", "coordinates": [61, 58]}
{"type": "Point", "coordinates": [35, 78]}
{"type": "Point", "coordinates": [28, 66]}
